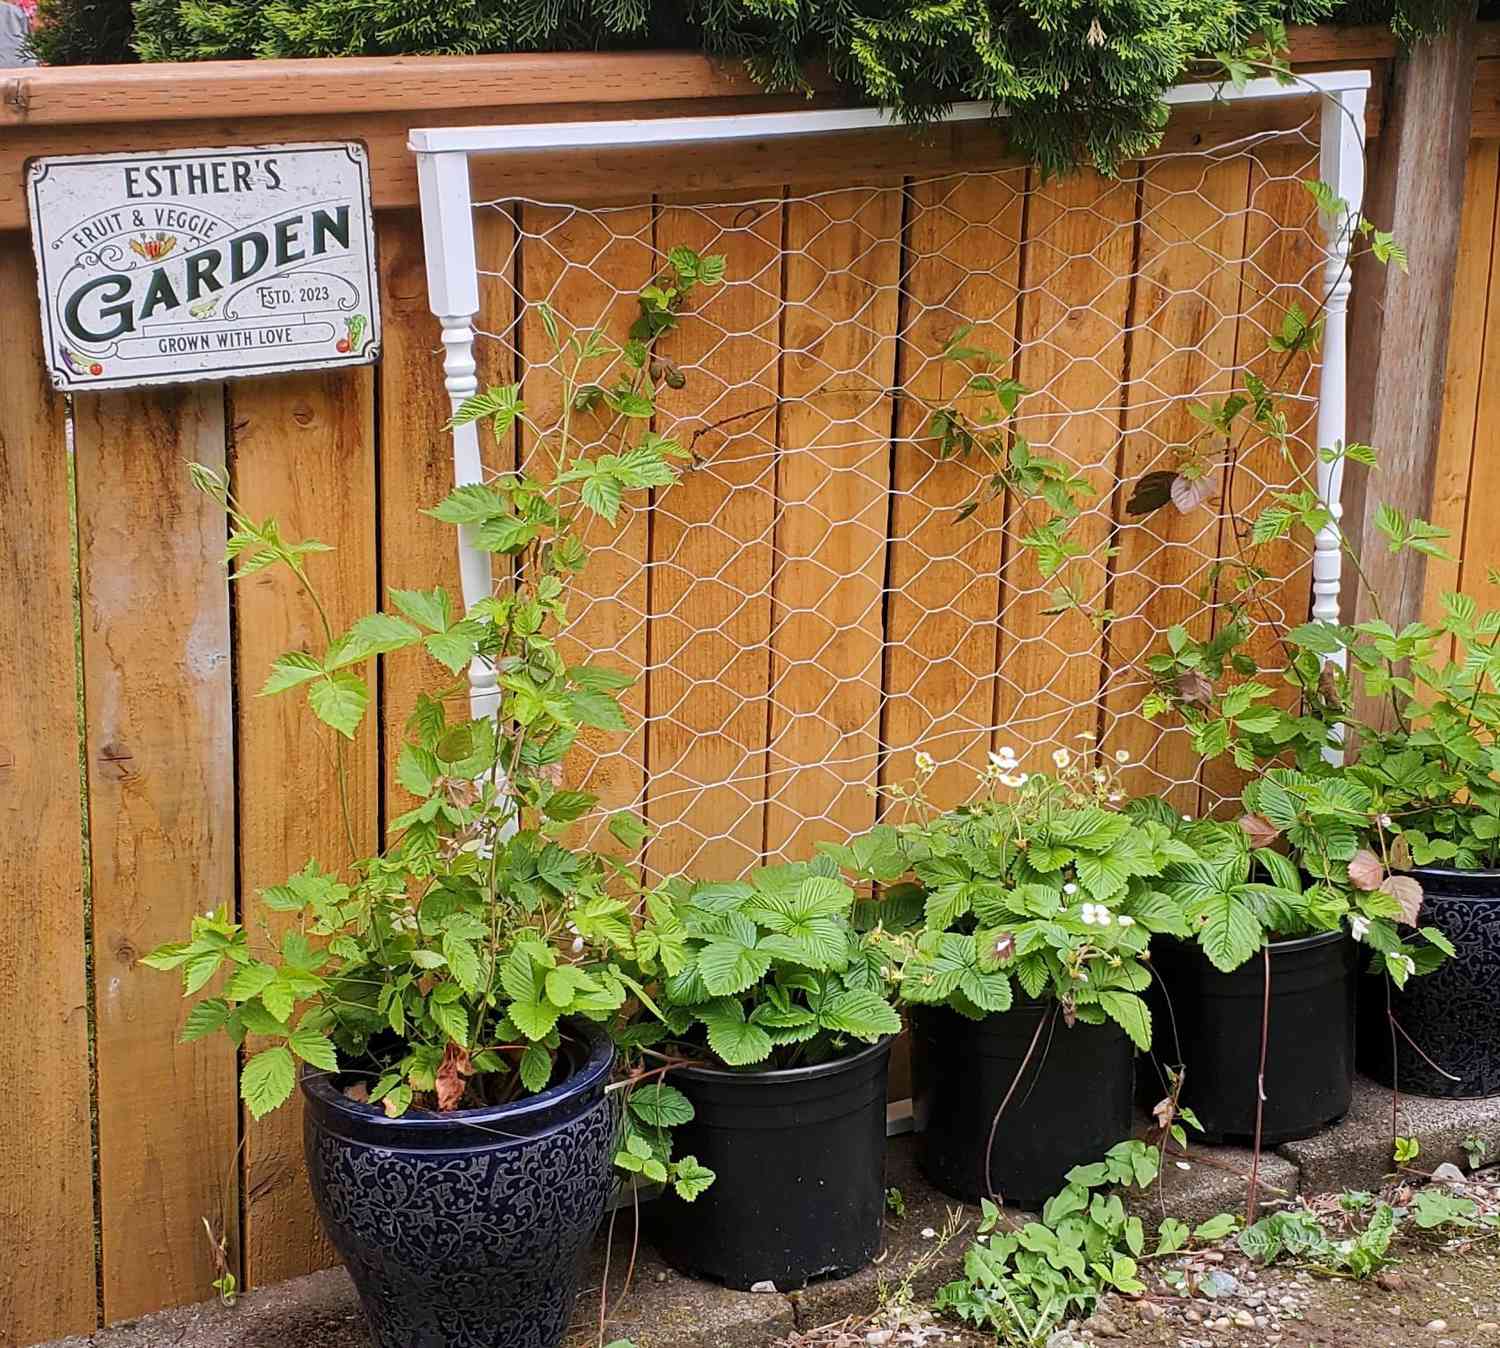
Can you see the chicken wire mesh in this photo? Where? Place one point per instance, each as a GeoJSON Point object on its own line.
{"type": "Point", "coordinates": [807, 609]}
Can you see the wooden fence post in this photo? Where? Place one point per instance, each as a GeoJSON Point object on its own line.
{"type": "Point", "coordinates": [1400, 322]}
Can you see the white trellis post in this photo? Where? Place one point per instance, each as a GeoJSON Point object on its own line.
{"type": "Point", "coordinates": [453, 295]}
{"type": "Point", "coordinates": [1341, 167]}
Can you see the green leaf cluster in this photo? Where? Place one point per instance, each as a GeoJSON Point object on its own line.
{"type": "Point", "coordinates": [1049, 892]}
{"type": "Point", "coordinates": [765, 972]}
{"type": "Point", "coordinates": [1023, 1278]}
{"type": "Point", "coordinates": [446, 968]}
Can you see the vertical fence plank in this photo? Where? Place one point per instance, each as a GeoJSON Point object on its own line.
{"type": "Point", "coordinates": [964, 251]}
{"type": "Point", "coordinates": [161, 817]}
{"type": "Point", "coordinates": [303, 453]}
{"type": "Point", "coordinates": [1467, 347]}
{"type": "Point", "coordinates": [1481, 540]}
{"type": "Point", "coordinates": [1074, 314]}
{"type": "Point", "coordinates": [711, 551]}
{"type": "Point", "coordinates": [1184, 326]}
{"type": "Point", "coordinates": [47, 1284]}
{"type": "Point", "coordinates": [416, 452]}
{"type": "Point", "coordinates": [590, 266]}
{"type": "Point", "coordinates": [842, 277]}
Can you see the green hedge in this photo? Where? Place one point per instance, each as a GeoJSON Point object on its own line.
{"type": "Point", "coordinates": [1081, 80]}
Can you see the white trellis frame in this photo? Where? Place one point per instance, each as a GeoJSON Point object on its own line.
{"type": "Point", "coordinates": [453, 276]}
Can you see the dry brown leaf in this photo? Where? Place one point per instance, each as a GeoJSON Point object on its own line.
{"type": "Point", "coordinates": [1188, 493]}
{"type": "Point", "coordinates": [1193, 687]}
{"type": "Point", "coordinates": [1366, 870]}
{"type": "Point", "coordinates": [1328, 686]}
{"type": "Point", "coordinates": [358, 1092]}
{"type": "Point", "coordinates": [1260, 830]}
{"type": "Point", "coordinates": [1004, 946]}
{"type": "Point", "coordinates": [450, 1076]}
{"type": "Point", "coordinates": [1407, 891]}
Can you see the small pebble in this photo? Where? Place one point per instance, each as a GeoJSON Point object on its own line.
{"type": "Point", "coordinates": [765, 1285]}
{"type": "Point", "coordinates": [1436, 1326]}
{"type": "Point", "coordinates": [1391, 1282]}
{"type": "Point", "coordinates": [1193, 1317]}
{"type": "Point", "coordinates": [1244, 1319]}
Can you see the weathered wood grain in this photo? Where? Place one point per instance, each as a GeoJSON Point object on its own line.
{"type": "Point", "coordinates": [46, 1180]}
{"type": "Point", "coordinates": [160, 746]}
{"type": "Point", "coordinates": [1184, 325]}
{"type": "Point", "coordinates": [827, 626]}
{"type": "Point", "coordinates": [303, 452]}
{"type": "Point", "coordinates": [944, 572]}
{"type": "Point", "coordinates": [710, 583]}
{"type": "Point", "coordinates": [608, 601]}
{"type": "Point", "coordinates": [1399, 319]}
{"type": "Point", "coordinates": [1074, 313]}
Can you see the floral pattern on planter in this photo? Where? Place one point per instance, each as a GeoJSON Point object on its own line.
{"type": "Point", "coordinates": [471, 1235]}
{"type": "Point", "coordinates": [1452, 1013]}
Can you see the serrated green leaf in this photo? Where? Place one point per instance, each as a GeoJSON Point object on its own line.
{"type": "Point", "coordinates": [313, 1046]}
{"type": "Point", "coordinates": [339, 701]}
{"type": "Point", "coordinates": [689, 1179]}
{"type": "Point", "coordinates": [534, 1019]}
{"type": "Point", "coordinates": [452, 1019]}
{"type": "Point", "coordinates": [660, 1105]}
{"type": "Point", "coordinates": [463, 961]}
{"type": "Point", "coordinates": [598, 710]}
{"type": "Point", "coordinates": [536, 1067]}
{"type": "Point", "coordinates": [206, 1017]}
{"type": "Point", "coordinates": [289, 670]}
{"type": "Point", "coordinates": [267, 1080]}
{"type": "Point", "coordinates": [737, 1042]}
{"type": "Point", "coordinates": [250, 981]}
{"type": "Point", "coordinates": [729, 966]}
{"type": "Point", "coordinates": [431, 608]}
{"type": "Point", "coordinates": [859, 1012]}
{"type": "Point", "coordinates": [1130, 1013]}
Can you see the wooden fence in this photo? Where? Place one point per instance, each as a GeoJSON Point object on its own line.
{"type": "Point", "coordinates": [139, 779]}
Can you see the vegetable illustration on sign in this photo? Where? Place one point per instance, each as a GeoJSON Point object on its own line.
{"type": "Point", "coordinates": [204, 264]}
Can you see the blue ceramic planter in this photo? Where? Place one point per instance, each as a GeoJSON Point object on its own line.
{"type": "Point", "coordinates": [1451, 1015]}
{"type": "Point", "coordinates": [465, 1230]}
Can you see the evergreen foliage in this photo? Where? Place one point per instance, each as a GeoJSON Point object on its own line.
{"type": "Point", "coordinates": [1081, 82]}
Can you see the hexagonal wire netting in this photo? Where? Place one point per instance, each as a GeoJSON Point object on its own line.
{"type": "Point", "coordinates": [807, 608]}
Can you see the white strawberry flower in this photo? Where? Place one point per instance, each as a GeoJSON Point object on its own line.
{"type": "Point", "coordinates": [1096, 915]}
{"type": "Point", "coordinates": [1061, 757]}
{"type": "Point", "coordinates": [1070, 888]}
{"type": "Point", "coordinates": [925, 762]}
{"type": "Point", "coordinates": [1359, 926]}
{"type": "Point", "coordinates": [1122, 755]}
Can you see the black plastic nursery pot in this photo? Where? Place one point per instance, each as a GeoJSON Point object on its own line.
{"type": "Point", "coordinates": [1309, 1077]}
{"type": "Point", "coordinates": [799, 1156]}
{"type": "Point", "coordinates": [465, 1229]}
{"type": "Point", "coordinates": [1071, 1105]}
{"type": "Point", "coordinates": [1452, 1015]}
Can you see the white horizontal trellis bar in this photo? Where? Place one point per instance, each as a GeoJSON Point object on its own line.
{"type": "Point", "coordinates": [453, 275]}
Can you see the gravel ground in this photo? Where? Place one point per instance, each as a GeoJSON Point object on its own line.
{"type": "Point", "coordinates": [1434, 1296]}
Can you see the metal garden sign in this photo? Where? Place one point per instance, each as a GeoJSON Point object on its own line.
{"type": "Point", "coordinates": [161, 268]}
